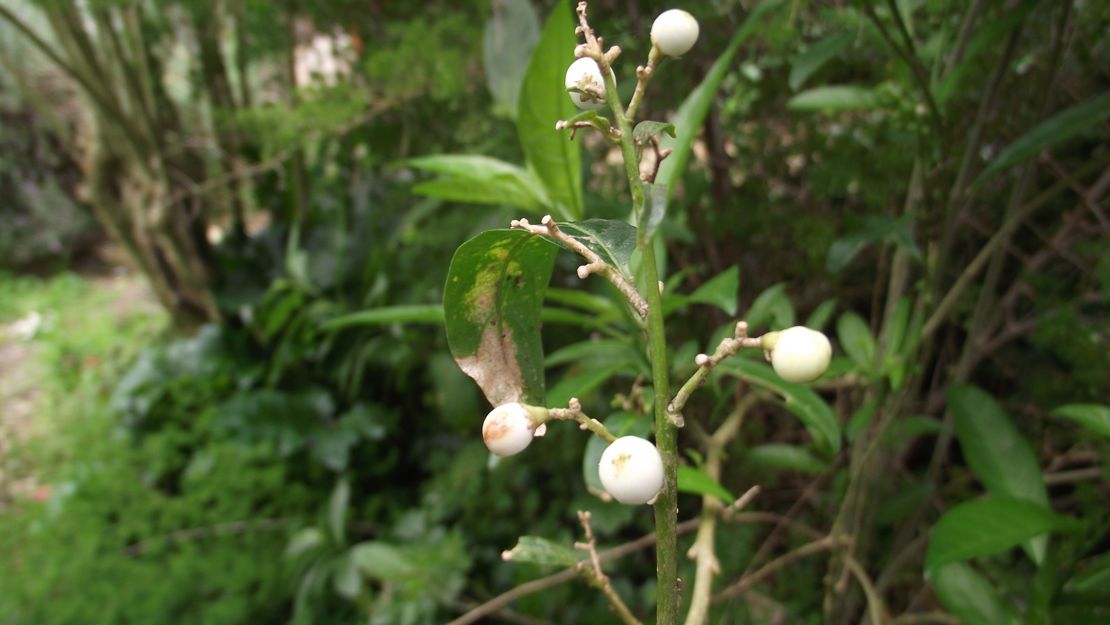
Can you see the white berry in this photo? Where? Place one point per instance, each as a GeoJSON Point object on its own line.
{"type": "Point", "coordinates": [800, 354]}
{"type": "Point", "coordinates": [508, 429]}
{"type": "Point", "coordinates": [631, 470]}
{"type": "Point", "coordinates": [584, 76]}
{"type": "Point", "coordinates": [674, 32]}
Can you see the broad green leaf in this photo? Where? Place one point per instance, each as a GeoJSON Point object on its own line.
{"type": "Point", "coordinates": [691, 114]}
{"type": "Point", "coordinates": [800, 400]}
{"type": "Point", "coordinates": [581, 384]}
{"type": "Point", "coordinates": [872, 229]}
{"type": "Point", "coordinates": [511, 33]}
{"type": "Point", "coordinates": [771, 308]}
{"type": "Point", "coordinates": [337, 510]}
{"type": "Point", "coordinates": [969, 596]}
{"type": "Point", "coordinates": [834, 98]}
{"type": "Point", "coordinates": [987, 526]}
{"type": "Point", "coordinates": [804, 64]}
{"type": "Point", "coordinates": [556, 160]}
{"type": "Point", "coordinates": [856, 340]}
{"type": "Point", "coordinates": [720, 291]}
{"type": "Point", "coordinates": [620, 424]}
{"type": "Point", "coordinates": [781, 456]}
{"type": "Point", "coordinates": [691, 480]}
{"type": "Point", "coordinates": [477, 179]}
{"type": "Point", "coordinates": [997, 453]}
{"type": "Point", "coordinates": [536, 550]}
{"type": "Point", "coordinates": [647, 129]}
{"type": "Point", "coordinates": [381, 561]}
{"type": "Point", "coordinates": [427, 313]}
{"type": "Point", "coordinates": [346, 580]}
{"type": "Point", "coordinates": [1094, 417]}
{"type": "Point", "coordinates": [1050, 133]}
{"type": "Point", "coordinates": [614, 241]}
{"type": "Point", "coordinates": [492, 303]}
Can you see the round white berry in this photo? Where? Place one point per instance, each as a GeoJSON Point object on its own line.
{"type": "Point", "coordinates": [800, 354]}
{"type": "Point", "coordinates": [584, 77]}
{"type": "Point", "coordinates": [674, 32]}
{"type": "Point", "coordinates": [631, 470]}
{"type": "Point", "coordinates": [508, 429]}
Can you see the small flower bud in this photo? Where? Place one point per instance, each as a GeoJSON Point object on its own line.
{"type": "Point", "coordinates": [508, 429]}
{"type": "Point", "coordinates": [799, 354]}
{"type": "Point", "coordinates": [674, 32]}
{"type": "Point", "coordinates": [584, 77]}
{"type": "Point", "coordinates": [631, 470]}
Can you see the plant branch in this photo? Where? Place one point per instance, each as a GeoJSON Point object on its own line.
{"type": "Point", "coordinates": [746, 582]}
{"type": "Point", "coordinates": [595, 264]}
{"type": "Point", "coordinates": [643, 77]}
{"type": "Point", "coordinates": [597, 578]}
{"type": "Point", "coordinates": [573, 412]}
{"type": "Point", "coordinates": [727, 347]}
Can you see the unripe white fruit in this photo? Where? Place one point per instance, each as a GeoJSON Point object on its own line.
{"type": "Point", "coordinates": [800, 354]}
{"type": "Point", "coordinates": [508, 429]}
{"type": "Point", "coordinates": [631, 470]}
{"type": "Point", "coordinates": [583, 75]}
{"type": "Point", "coordinates": [674, 32]}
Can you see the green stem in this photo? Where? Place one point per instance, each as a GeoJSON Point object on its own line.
{"type": "Point", "coordinates": [666, 434]}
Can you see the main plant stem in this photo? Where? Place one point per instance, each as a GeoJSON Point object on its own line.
{"type": "Point", "coordinates": [666, 434]}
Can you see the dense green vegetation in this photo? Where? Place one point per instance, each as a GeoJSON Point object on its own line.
{"type": "Point", "coordinates": [275, 431]}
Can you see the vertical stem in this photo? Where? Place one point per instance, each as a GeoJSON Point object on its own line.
{"type": "Point", "coordinates": [666, 434]}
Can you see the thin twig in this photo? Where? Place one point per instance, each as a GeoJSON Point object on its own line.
{"type": "Point", "coordinates": [875, 606]}
{"type": "Point", "coordinates": [643, 77]}
{"type": "Point", "coordinates": [727, 347]}
{"type": "Point", "coordinates": [573, 412]}
{"type": "Point", "coordinates": [597, 578]}
{"type": "Point", "coordinates": [741, 586]}
{"type": "Point", "coordinates": [595, 263]}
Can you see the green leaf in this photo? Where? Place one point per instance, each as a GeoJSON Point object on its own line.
{"type": "Point", "coordinates": [556, 160]}
{"type": "Point", "coordinates": [872, 229]}
{"type": "Point", "coordinates": [720, 291]}
{"type": "Point", "coordinates": [691, 480]}
{"type": "Point", "coordinates": [346, 580]}
{"type": "Point", "coordinates": [821, 315]}
{"type": "Point", "coordinates": [381, 561]}
{"type": "Point", "coordinates": [647, 129]}
{"type": "Point", "coordinates": [614, 241]}
{"type": "Point", "coordinates": [536, 550]}
{"type": "Point", "coordinates": [780, 456]}
{"type": "Point", "coordinates": [1091, 416]}
{"type": "Point", "coordinates": [691, 114]}
{"type": "Point", "coordinates": [620, 424]}
{"type": "Point", "coordinates": [771, 308]}
{"type": "Point", "coordinates": [510, 35]}
{"type": "Point", "coordinates": [303, 541]}
{"type": "Point", "coordinates": [987, 526]}
{"type": "Point", "coordinates": [987, 37]}
{"type": "Point", "coordinates": [856, 340]}
{"type": "Point", "coordinates": [337, 509]}
{"type": "Point", "coordinates": [420, 313]}
{"type": "Point", "coordinates": [800, 400]}
{"type": "Point", "coordinates": [804, 64]}
{"type": "Point", "coordinates": [1049, 133]}
{"type": "Point", "coordinates": [492, 303]}
{"type": "Point", "coordinates": [477, 179]}
{"type": "Point", "coordinates": [997, 453]}
{"type": "Point", "coordinates": [834, 98]}
{"type": "Point", "coordinates": [969, 596]}
{"type": "Point", "coordinates": [597, 353]}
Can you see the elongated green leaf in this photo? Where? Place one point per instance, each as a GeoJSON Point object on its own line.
{"type": "Point", "coordinates": [834, 98]}
{"type": "Point", "coordinates": [478, 179]}
{"type": "Point", "coordinates": [337, 509]}
{"type": "Point", "coordinates": [856, 340]}
{"type": "Point", "coordinates": [804, 64]}
{"type": "Point", "coordinates": [997, 453]}
{"type": "Point", "coordinates": [620, 424]}
{"type": "Point", "coordinates": [870, 230]}
{"type": "Point", "coordinates": [821, 315]}
{"type": "Point", "coordinates": [987, 37]}
{"type": "Point", "coordinates": [771, 308]}
{"type": "Point", "coordinates": [780, 456]}
{"type": "Point", "coordinates": [511, 33]}
{"type": "Point", "coordinates": [1094, 417]}
{"type": "Point", "coordinates": [691, 114]}
{"type": "Point", "coordinates": [698, 482]}
{"type": "Point", "coordinates": [492, 303]}
{"type": "Point", "coordinates": [647, 129]}
{"type": "Point", "coordinates": [597, 353]}
{"type": "Point", "coordinates": [969, 596]}
{"type": "Point", "coordinates": [720, 291]}
{"type": "Point", "coordinates": [581, 384]}
{"type": "Point", "coordinates": [536, 550]}
{"type": "Point", "coordinates": [614, 241]}
{"type": "Point", "coordinates": [1049, 133]}
{"type": "Point", "coordinates": [986, 527]}
{"type": "Point", "coordinates": [381, 561]}
{"type": "Point", "coordinates": [427, 313]}
{"type": "Point", "coordinates": [556, 160]}
{"type": "Point", "coordinates": [800, 400]}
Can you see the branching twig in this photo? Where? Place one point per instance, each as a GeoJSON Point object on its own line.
{"type": "Point", "coordinates": [643, 77]}
{"type": "Point", "coordinates": [728, 347]}
{"type": "Point", "coordinates": [741, 586]}
{"type": "Point", "coordinates": [593, 573]}
{"type": "Point", "coordinates": [573, 412]}
{"type": "Point", "coordinates": [596, 265]}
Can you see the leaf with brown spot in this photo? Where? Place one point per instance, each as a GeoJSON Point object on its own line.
{"type": "Point", "coordinates": [492, 304]}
